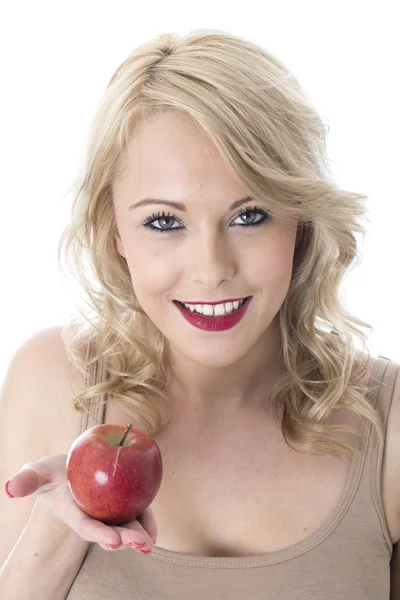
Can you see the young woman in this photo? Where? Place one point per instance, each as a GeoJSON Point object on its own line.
{"type": "Point", "coordinates": [211, 240]}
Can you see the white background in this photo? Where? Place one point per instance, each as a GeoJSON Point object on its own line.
{"type": "Point", "coordinates": [56, 60]}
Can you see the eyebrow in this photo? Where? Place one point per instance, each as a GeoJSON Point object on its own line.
{"type": "Point", "coordinates": [180, 205]}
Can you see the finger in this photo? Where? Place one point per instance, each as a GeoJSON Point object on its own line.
{"type": "Point", "coordinates": [133, 533]}
{"type": "Point", "coordinates": [148, 522]}
{"type": "Point", "coordinates": [38, 476]}
{"type": "Point", "coordinates": [111, 548]}
{"type": "Point", "coordinates": [92, 530]}
{"type": "Point", "coordinates": [89, 529]}
{"type": "Point", "coordinates": [23, 483]}
{"type": "Point", "coordinates": [141, 531]}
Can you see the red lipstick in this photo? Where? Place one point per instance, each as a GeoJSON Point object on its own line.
{"type": "Point", "coordinates": [220, 323]}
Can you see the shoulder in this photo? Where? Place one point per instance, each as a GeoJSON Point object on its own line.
{"type": "Point", "coordinates": [393, 425]}
{"type": "Point", "coordinates": [44, 382]}
{"type": "Point", "coordinates": [46, 345]}
{"type": "Point", "coordinates": [392, 448]}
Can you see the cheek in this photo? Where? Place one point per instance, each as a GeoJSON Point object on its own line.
{"type": "Point", "coordinates": [150, 271]}
{"type": "Point", "coordinates": [274, 264]}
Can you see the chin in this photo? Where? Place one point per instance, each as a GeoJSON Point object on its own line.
{"type": "Point", "coordinates": [214, 360]}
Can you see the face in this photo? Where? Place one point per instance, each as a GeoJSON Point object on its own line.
{"type": "Point", "coordinates": [206, 253]}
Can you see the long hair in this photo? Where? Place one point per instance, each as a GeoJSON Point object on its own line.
{"type": "Point", "coordinates": [253, 109]}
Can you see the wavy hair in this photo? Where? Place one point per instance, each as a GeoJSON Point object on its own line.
{"type": "Point", "coordinates": [253, 109]}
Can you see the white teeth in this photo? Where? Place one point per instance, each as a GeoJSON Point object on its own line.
{"type": "Point", "coordinates": [220, 309]}
{"type": "Point", "coordinates": [214, 309]}
{"type": "Point", "coordinates": [207, 309]}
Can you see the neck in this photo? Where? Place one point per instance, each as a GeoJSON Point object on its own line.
{"type": "Point", "coordinates": [224, 393]}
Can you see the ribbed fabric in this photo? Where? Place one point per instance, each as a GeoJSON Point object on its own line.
{"type": "Point", "coordinates": [347, 558]}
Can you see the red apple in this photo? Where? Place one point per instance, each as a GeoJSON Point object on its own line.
{"type": "Point", "coordinates": [114, 472]}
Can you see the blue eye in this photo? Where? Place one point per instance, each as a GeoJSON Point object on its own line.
{"type": "Point", "coordinates": [167, 217]}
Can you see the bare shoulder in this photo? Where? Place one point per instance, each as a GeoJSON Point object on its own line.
{"type": "Point", "coordinates": [47, 381]}
{"type": "Point", "coordinates": [62, 382]}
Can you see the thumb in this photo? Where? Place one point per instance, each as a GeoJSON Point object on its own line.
{"type": "Point", "coordinates": [38, 476]}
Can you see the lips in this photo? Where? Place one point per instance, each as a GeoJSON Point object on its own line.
{"type": "Point", "coordinates": [214, 323]}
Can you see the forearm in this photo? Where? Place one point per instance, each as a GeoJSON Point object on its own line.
{"type": "Point", "coordinates": [44, 561]}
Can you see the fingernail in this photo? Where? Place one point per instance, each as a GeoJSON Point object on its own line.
{"type": "Point", "coordinates": [155, 541]}
{"type": "Point", "coordinates": [135, 545]}
{"type": "Point", "coordinates": [113, 546]}
{"type": "Point", "coordinates": [145, 551]}
{"type": "Point", "coordinates": [9, 494]}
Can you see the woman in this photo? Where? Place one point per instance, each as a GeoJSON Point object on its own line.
{"type": "Point", "coordinates": [218, 242]}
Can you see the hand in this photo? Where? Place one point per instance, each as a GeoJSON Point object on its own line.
{"type": "Point", "coordinates": [47, 477]}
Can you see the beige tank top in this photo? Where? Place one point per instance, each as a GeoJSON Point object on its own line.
{"type": "Point", "coordinates": [347, 558]}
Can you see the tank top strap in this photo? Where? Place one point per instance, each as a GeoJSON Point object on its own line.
{"type": "Point", "coordinates": [96, 373]}
{"type": "Point", "coordinates": [386, 372]}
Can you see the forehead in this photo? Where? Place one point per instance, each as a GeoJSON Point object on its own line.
{"type": "Point", "coordinates": [169, 150]}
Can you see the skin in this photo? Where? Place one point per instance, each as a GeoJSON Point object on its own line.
{"type": "Point", "coordinates": [214, 376]}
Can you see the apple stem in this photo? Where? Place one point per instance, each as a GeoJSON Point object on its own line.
{"type": "Point", "coordinates": [125, 434]}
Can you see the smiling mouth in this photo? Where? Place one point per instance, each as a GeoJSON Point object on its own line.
{"type": "Point", "coordinates": [225, 313]}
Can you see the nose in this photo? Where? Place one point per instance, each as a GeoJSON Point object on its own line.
{"type": "Point", "coordinates": [211, 260]}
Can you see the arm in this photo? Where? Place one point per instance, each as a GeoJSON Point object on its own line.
{"type": "Point", "coordinates": [44, 561]}
{"type": "Point", "coordinates": [38, 418]}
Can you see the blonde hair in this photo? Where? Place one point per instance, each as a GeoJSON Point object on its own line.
{"type": "Point", "coordinates": [253, 109]}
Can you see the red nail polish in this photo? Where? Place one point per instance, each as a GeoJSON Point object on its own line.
{"type": "Point", "coordinates": [9, 494]}
{"type": "Point", "coordinates": [113, 546]}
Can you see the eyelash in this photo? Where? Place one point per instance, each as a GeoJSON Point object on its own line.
{"type": "Point", "coordinates": [162, 215]}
